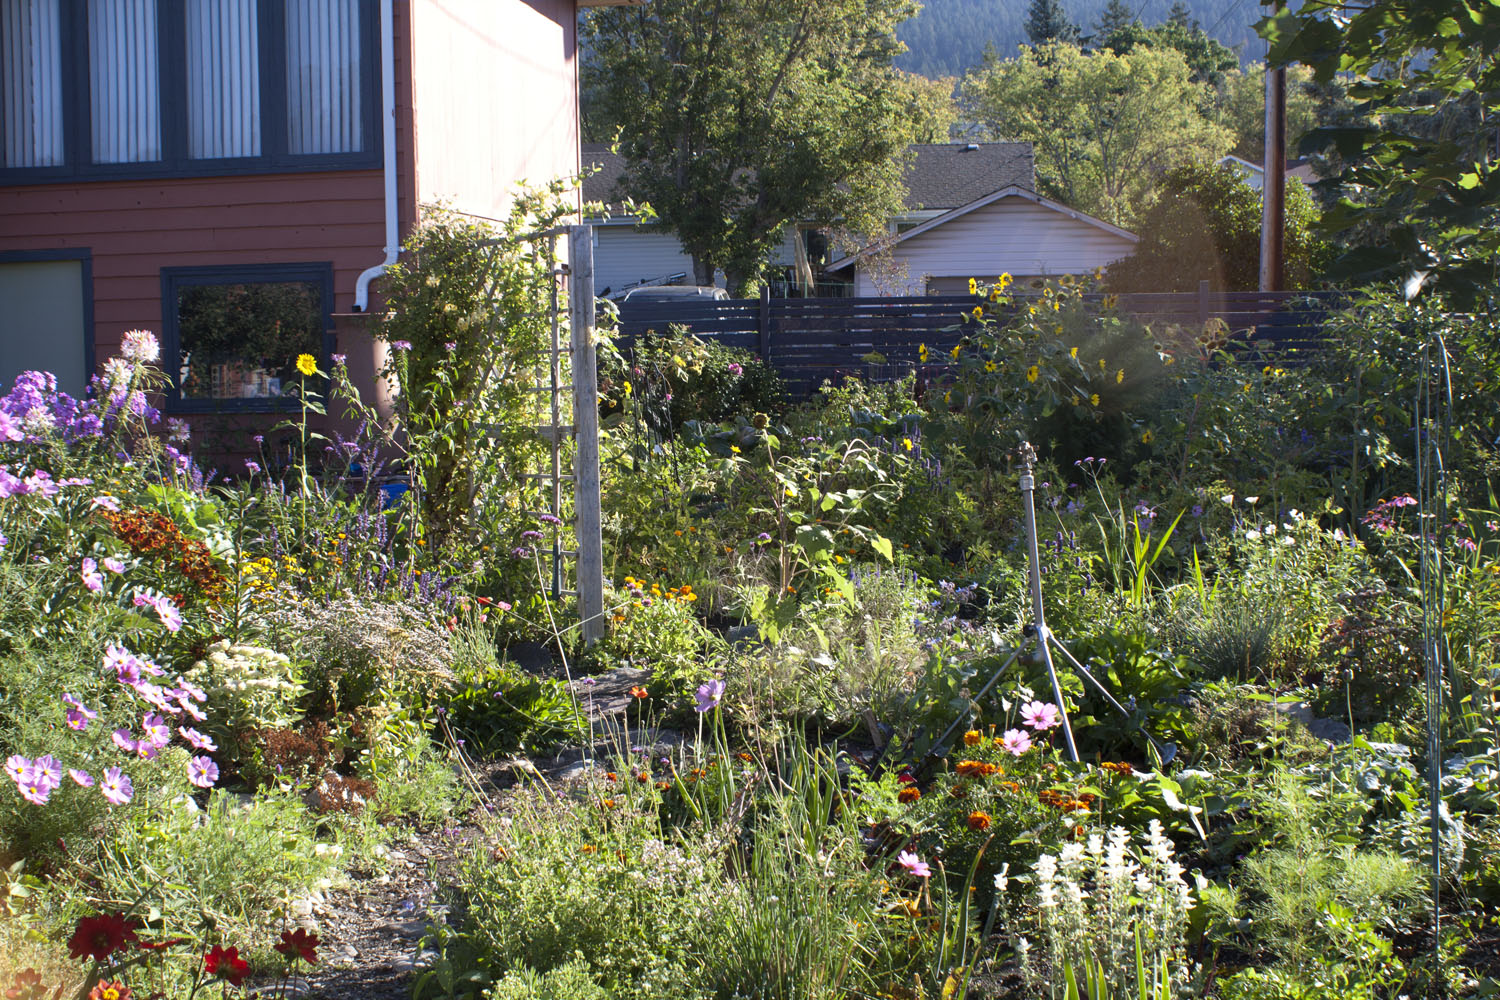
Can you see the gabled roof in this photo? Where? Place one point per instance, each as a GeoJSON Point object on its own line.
{"type": "Point", "coordinates": [940, 176]}
{"type": "Point", "coordinates": [1014, 191]}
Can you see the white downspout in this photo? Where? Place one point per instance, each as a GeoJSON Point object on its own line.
{"type": "Point", "coordinates": [388, 120]}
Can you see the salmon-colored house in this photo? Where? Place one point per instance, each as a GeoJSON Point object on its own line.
{"type": "Point", "coordinates": [235, 174]}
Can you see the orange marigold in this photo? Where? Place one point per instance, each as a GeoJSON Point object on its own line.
{"type": "Point", "coordinates": [908, 794]}
{"type": "Point", "coordinates": [979, 820]}
{"type": "Point", "coordinates": [973, 738]}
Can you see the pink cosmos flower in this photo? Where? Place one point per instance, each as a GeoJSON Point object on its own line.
{"type": "Point", "coordinates": [17, 767]}
{"type": "Point", "coordinates": [34, 787]}
{"type": "Point", "coordinates": [914, 865]}
{"type": "Point", "coordinates": [155, 696]}
{"type": "Point", "coordinates": [48, 771]}
{"type": "Point", "coordinates": [196, 739]}
{"type": "Point", "coordinates": [105, 502]}
{"type": "Point", "coordinates": [92, 578]}
{"type": "Point", "coordinates": [191, 711]}
{"type": "Point", "coordinates": [1040, 715]}
{"type": "Point", "coordinates": [156, 730]}
{"type": "Point", "coordinates": [116, 787]}
{"type": "Point", "coordinates": [81, 777]}
{"type": "Point", "coordinates": [708, 695]}
{"type": "Point", "coordinates": [1016, 741]}
{"type": "Point", "coordinates": [165, 610]}
{"type": "Point", "coordinates": [186, 690]}
{"type": "Point", "coordinates": [79, 715]}
{"type": "Point", "coordinates": [114, 565]}
{"type": "Point", "coordinates": [123, 740]}
{"type": "Point", "coordinates": [122, 663]}
{"type": "Point", "coordinates": [203, 772]}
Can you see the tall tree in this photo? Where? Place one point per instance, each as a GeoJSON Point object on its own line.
{"type": "Point", "coordinates": [1181, 15]}
{"type": "Point", "coordinates": [1420, 179]}
{"type": "Point", "coordinates": [1104, 126]}
{"type": "Point", "coordinates": [1115, 26]}
{"type": "Point", "coordinates": [1046, 21]}
{"type": "Point", "coordinates": [739, 120]}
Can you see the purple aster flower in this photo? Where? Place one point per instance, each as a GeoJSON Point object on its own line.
{"type": "Point", "coordinates": [88, 571]}
{"type": "Point", "coordinates": [708, 695]}
{"type": "Point", "coordinates": [203, 772]}
{"type": "Point", "coordinates": [81, 777]}
{"type": "Point", "coordinates": [116, 787]}
{"type": "Point", "coordinates": [401, 345]}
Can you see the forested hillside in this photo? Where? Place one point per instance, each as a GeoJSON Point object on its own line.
{"type": "Point", "coordinates": [949, 36]}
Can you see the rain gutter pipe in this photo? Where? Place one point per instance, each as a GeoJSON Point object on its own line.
{"type": "Point", "coordinates": [388, 122]}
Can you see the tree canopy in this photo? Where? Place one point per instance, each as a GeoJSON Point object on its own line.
{"type": "Point", "coordinates": [1205, 226]}
{"type": "Point", "coordinates": [1046, 21]}
{"type": "Point", "coordinates": [1420, 189]}
{"type": "Point", "coordinates": [739, 120]}
{"type": "Point", "coordinates": [1104, 126]}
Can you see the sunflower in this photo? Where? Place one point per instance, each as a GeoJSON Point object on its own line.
{"type": "Point", "coordinates": [1033, 373]}
{"type": "Point", "coordinates": [307, 364]}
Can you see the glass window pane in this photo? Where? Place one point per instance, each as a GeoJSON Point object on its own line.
{"type": "Point", "coordinates": [31, 120]}
{"type": "Point", "coordinates": [241, 341]}
{"type": "Point", "coordinates": [223, 79]}
{"type": "Point", "coordinates": [124, 91]}
{"type": "Point", "coordinates": [323, 77]}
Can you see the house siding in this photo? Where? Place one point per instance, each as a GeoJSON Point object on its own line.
{"type": "Point", "coordinates": [1013, 234]}
{"type": "Point", "coordinates": [496, 99]}
{"type": "Point", "coordinates": [624, 255]}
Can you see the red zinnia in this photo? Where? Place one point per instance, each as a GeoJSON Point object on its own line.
{"type": "Point", "coordinates": [301, 944]}
{"type": "Point", "coordinates": [102, 935]}
{"type": "Point", "coordinates": [107, 990]}
{"type": "Point", "coordinates": [226, 964]}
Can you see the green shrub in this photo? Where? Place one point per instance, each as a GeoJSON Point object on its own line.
{"type": "Point", "coordinates": [666, 380]}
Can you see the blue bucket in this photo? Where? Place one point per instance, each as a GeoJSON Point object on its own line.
{"type": "Point", "coordinates": [391, 493]}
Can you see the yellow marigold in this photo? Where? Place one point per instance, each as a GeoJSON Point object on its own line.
{"type": "Point", "coordinates": [1033, 373]}
{"type": "Point", "coordinates": [307, 364]}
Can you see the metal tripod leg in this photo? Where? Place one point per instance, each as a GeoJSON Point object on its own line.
{"type": "Point", "coordinates": [995, 679]}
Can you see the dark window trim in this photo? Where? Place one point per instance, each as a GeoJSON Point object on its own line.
{"type": "Point", "coordinates": [172, 86]}
{"type": "Point", "coordinates": [85, 255]}
{"type": "Point", "coordinates": [175, 278]}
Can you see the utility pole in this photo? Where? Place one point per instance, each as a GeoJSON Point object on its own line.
{"type": "Point", "coordinates": [1273, 180]}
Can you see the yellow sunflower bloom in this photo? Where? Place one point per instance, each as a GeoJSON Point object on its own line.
{"type": "Point", "coordinates": [1033, 373]}
{"type": "Point", "coordinates": [978, 312]}
{"type": "Point", "coordinates": [954, 352]}
{"type": "Point", "coordinates": [973, 286]}
{"type": "Point", "coordinates": [1101, 364]}
{"type": "Point", "coordinates": [307, 364]}
{"type": "Point", "coordinates": [990, 366]}
{"type": "Point", "coordinates": [1005, 280]}
{"type": "Point", "coordinates": [1147, 437]}
{"type": "Point", "coordinates": [1072, 352]}
{"type": "Point", "coordinates": [907, 443]}
{"type": "Point", "coordinates": [1119, 376]}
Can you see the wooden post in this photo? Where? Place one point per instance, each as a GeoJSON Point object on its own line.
{"type": "Point", "coordinates": [765, 323]}
{"type": "Point", "coordinates": [1273, 182]}
{"type": "Point", "coordinates": [586, 504]}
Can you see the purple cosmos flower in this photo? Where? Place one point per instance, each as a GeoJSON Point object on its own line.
{"type": "Point", "coordinates": [165, 610]}
{"type": "Point", "coordinates": [17, 767]}
{"type": "Point", "coordinates": [123, 740]}
{"type": "Point", "coordinates": [156, 730]}
{"type": "Point", "coordinates": [126, 667]}
{"type": "Point", "coordinates": [186, 690]}
{"type": "Point", "coordinates": [203, 772]}
{"type": "Point", "coordinates": [191, 710]}
{"type": "Point", "coordinates": [81, 777]}
{"type": "Point", "coordinates": [1040, 715]}
{"type": "Point", "coordinates": [196, 739]}
{"type": "Point", "coordinates": [116, 787]}
{"type": "Point", "coordinates": [88, 571]}
{"type": "Point", "coordinates": [1015, 742]}
{"type": "Point", "coordinates": [114, 565]}
{"type": "Point", "coordinates": [914, 865]}
{"type": "Point", "coordinates": [79, 715]}
{"type": "Point", "coordinates": [106, 502]}
{"type": "Point", "coordinates": [735, 369]}
{"type": "Point", "coordinates": [708, 695]}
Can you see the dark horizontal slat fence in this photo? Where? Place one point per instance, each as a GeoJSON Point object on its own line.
{"type": "Point", "coordinates": [809, 340]}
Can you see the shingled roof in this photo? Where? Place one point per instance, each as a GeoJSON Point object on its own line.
{"type": "Point", "coordinates": [941, 175]}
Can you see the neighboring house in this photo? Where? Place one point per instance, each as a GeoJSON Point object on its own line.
{"type": "Point", "coordinates": [940, 177]}
{"type": "Point", "coordinates": [233, 174]}
{"type": "Point", "coordinates": [1012, 231]}
{"type": "Point", "coordinates": [1254, 174]}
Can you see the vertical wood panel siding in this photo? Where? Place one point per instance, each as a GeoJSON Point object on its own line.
{"type": "Point", "coordinates": [31, 129]}
{"type": "Point", "coordinates": [1012, 235]}
{"type": "Point", "coordinates": [322, 69]}
{"type": "Point", "coordinates": [223, 66]}
{"type": "Point", "coordinates": [124, 80]}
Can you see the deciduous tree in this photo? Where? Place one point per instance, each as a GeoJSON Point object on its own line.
{"type": "Point", "coordinates": [1104, 126]}
{"type": "Point", "coordinates": [738, 120]}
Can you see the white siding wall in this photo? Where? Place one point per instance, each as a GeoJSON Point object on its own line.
{"type": "Point", "coordinates": [1012, 235]}
{"type": "Point", "coordinates": [624, 255]}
